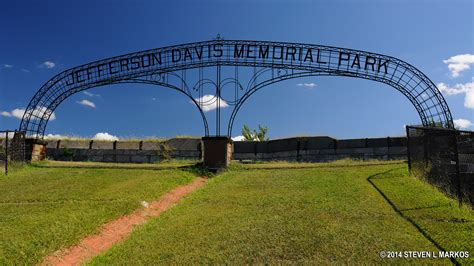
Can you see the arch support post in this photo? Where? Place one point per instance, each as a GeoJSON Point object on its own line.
{"type": "Point", "coordinates": [35, 149]}
{"type": "Point", "coordinates": [216, 152]}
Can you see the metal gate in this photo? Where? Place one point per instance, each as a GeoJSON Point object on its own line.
{"type": "Point", "coordinates": [444, 158]}
{"type": "Point", "coordinates": [12, 149]}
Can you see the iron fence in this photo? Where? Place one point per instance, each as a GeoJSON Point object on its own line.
{"type": "Point", "coordinates": [444, 158]}
{"type": "Point", "coordinates": [12, 149]}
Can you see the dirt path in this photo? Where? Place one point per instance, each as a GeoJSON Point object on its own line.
{"type": "Point", "coordinates": [117, 230]}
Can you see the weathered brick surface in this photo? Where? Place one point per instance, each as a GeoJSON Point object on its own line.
{"type": "Point", "coordinates": [377, 142]}
{"type": "Point", "coordinates": [183, 144]}
{"type": "Point", "coordinates": [350, 143]}
{"type": "Point", "coordinates": [139, 159]}
{"type": "Point", "coordinates": [315, 143]}
{"type": "Point", "coordinates": [71, 144]}
{"type": "Point", "coordinates": [123, 159]}
{"type": "Point", "coordinates": [109, 158]}
{"type": "Point", "coordinates": [151, 145]}
{"type": "Point", "coordinates": [52, 144]}
{"type": "Point", "coordinates": [103, 145]}
{"type": "Point", "coordinates": [128, 145]}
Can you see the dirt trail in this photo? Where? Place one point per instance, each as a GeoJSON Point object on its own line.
{"type": "Point", "coordinates": [117, 230]}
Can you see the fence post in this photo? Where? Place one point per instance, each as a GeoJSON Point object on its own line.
{"type": "Point", "coordinates": [408, 149]}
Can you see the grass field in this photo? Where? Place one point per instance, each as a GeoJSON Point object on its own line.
{"type": "Point", "coordinates": [45, 209]}
{"type": "Point", "coordinates": [319, 215]}
{"type": "Point", "coordinates": [342, 212]}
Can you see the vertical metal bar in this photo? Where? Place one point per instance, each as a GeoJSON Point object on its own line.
{"type": "Point", "coordinates": [218, 94]}
{"type": "Point", "coordinates": [201, 94]}
{"type": "Point", "coordinates": [236, 78]}
{"type": "Point", "coordinates": [254, 76]}
{"type": "Point", "coordinates": [183, 78]}
{"type": "Point", "coordinates": [408, 149]}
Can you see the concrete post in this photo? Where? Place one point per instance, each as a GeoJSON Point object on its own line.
{"type": "Point", "coordinates": [217, 152]}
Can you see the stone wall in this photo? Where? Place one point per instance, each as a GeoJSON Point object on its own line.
{"type": "Point", "coordinates": [320, 149]}
{"type": "Point", "coordinates": [124, 151]}
{"type": "Point", "coordinates": [304, 149]}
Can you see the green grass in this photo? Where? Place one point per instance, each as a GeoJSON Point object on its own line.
{"type": "Point", "coordinates": [170, 164]}
{"type": "Point", "coordinates": [436, 214]}
{"type": "Point", "coordinates": [303, 165]}
{"type": "Point", "coordinates": [313, 216]}
{"type": "Point", "coordinates": [343, 212]}
{"type": "Point", "coordinates": [45, 209]}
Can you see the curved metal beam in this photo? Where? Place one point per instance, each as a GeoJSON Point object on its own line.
{"type": "Point", "coordinates": [423, 94]}
{"type": "Point", "coordinates": [61, 98]}
{"type": "Point", "coordinates": [266, 83]}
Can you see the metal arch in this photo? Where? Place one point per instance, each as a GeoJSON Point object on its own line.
{"type": "Point", "coordinates": [55, 104]}
{"type": "Point", "coordinates": [203, 116]}
{"type": "Point", "coordinates": [290, 57]}
{"type": "Point", "coordinates": [266, 83]}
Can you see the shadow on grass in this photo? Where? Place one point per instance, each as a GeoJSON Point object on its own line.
{"type": "Point", "coordinates": [426, 207]}
{"type": "Point", "coordinates": [407, 218]}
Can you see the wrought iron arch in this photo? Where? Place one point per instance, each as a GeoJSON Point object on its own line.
{"type": "Point", "coordinates": [267, 83]}
{"type": "Point", "coordinates": [63, 97]}
{"type": "Point", "coordinates": [207, 65]}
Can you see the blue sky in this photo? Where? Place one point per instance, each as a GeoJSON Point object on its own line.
{"type": "Point", "coordinates": [39, 39]}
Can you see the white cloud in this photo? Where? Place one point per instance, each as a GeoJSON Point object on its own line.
{"type": "Point", "coordinates": [47, 64]}
{"type": "Point", "coordinates": [18, 113]}
{"type": "Point", "coordinates": [90, 94]}
{"type": "Point", "coordinates": [87, 103]}
{"type": "Point", "coordinates": [38, 112]}
{"type": "Point", "coordinates": [469, 99]}
{"type": "Point", "coordinates": [105, 136]}
{"type": "Point", "coordinates": [25, 70]}
{"type": "Point", "coordinates": [10, 135]}
{"type": "Point", "coordinates": [467, 88]}
{"type": "Point", "coordinates": [209, 103]}
{"type": "Point", "coordinates": [457, 89]}
{"type": "Point", "coordinates": [462, 123]}
{"type": "Point", "coordinates": [7, 66]}
{"type": "Point", "coordinates": [238, 138]}
{"type": "Point", "coordinates": [55, 136]}
{"type": "Point", "coordinates": [308, 85]}
{"type": "Point", "coordinates": [459, 63]}
{"type": "Point", "coordinates": [5, 113]}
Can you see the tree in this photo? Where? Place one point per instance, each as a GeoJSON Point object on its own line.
{"type": "Point", "coordinates": [247, 133]}
{"type": "Point", "coordinates": [260, 135]}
